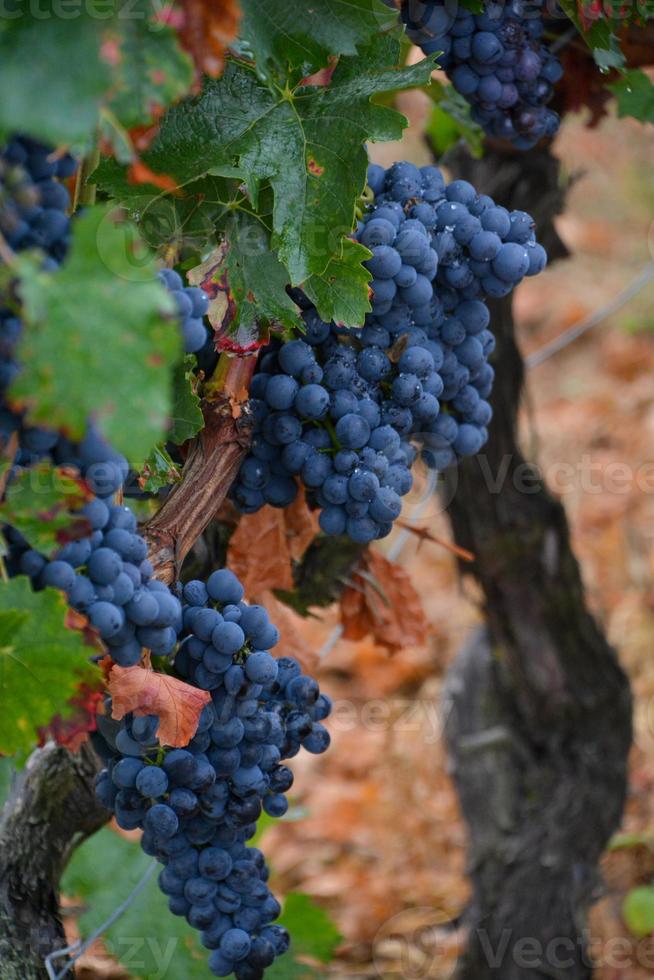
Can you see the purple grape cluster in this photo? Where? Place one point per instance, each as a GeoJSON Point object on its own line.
{"type": "Point", "coordinates": [34, 204]}
{"type": "Point", "coordinates": [346, 410]}
{"type": "Point", "coordinates": [192, 303]}
{"type": "Point", "coordinates": [198, 805]}
{"type": "Point", "coordinates": [496, 59]}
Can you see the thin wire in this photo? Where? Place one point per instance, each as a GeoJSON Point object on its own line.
{"type": "Point", "coordinates": [568, 336]}
{"type": "Point", "coordinates": [78, 948]}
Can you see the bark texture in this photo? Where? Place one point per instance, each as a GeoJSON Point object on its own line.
{"type": "Point", "coordinates": [539, 710]}
{"type": "Point", "coordinates": [51, 810]}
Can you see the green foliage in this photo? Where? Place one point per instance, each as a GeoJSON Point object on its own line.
{"type": "Point", "coordinates": [42, 662]}
{"type": "Point", "coordinates": [151, 70]}
{"type": "Point", "coordinates": [117, 57]}
{"type": "Point", "coordinates": [257, 281]}
{"type": "Point", "coordinates": [635, 96]}
{"type": "Point", "coordinates": [304, 34]}
{"type": "Point", "coordinates": [638, 911]}
{"type": "Point", "coordinates": [314, 934]}
{"type": "Point", "coordinates": [105, 308]}
{"type": "Point", "coordinates": [51, 74]}
{"type": "Point", "coordinates": [187, 418]}
{"type": "Point", "coordinates": [451, 121]}
{"type": "Point", "coordinates": [306, 142]}
{"type": "Point", "coordinates": [600, 34]}
{"type": "Point", "coordinates": [159, 471]}
{"type": "Point", "coordinates": [41, 504]}
{"type": "Point", "coordinates": [340, 292]}
{"type": "Point", "coordinates": [173, 951]}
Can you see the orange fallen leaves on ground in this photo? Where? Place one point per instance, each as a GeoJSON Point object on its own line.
{"type": "Point", "coordinates": [145, 692]}
{"type": "Point", "coordinates": [382, 602]}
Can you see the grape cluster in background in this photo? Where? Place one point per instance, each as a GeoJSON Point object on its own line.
{"type": "Point", "coordinates": [198, 805]}
{"type": "Point", "coordinates": [347, 410]}
{"type": "Point", "coordinates": [34, 206]}
{"type": "Point", "coordinates": [496, 59]}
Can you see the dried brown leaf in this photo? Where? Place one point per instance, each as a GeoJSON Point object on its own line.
{"type": "Point", "coordinates": [382, 602]}
{"type": "Point", "coordinates": [301, 525]}
{"type": "Point", "coordinates": [208, 29]}
{"type": "Point", "coordinates": [145, 692]}
{"type": "Point", "coordinates": [258, 552]}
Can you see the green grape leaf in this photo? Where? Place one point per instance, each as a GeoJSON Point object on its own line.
{"type": "Point", "coordinates": [257, 281]}
{"type": "Point", "coordinates": [167, 947]}
{"type": "Point", "coordinates": [304, 34]}
{"type": "Point", "coordinates": [159, 471]}
{"type": "Point", "coordinates": [150, 69]}
{"type": "Point", "coordinates": [42, 662]}
{"type": "Point", "coordinates": [41, 503]}
{"type": "Point", "coordinates": [59, 97]}
{"type": "Point", "coordinates": [599, 33]}
{"type": "Point", "coordinates": [314, 934]}
{"type": "Point", "coordinates": [106, 309]}
{"type": "Point", "coordinates": [187, 417]}
{"type": "Point", "coordinates": [307, 143]}
{"type": "Point", "coordinates": [340, 293]}
{"type": "Point", "coordinates": [635, 96]}
{"type": "Point", "coordinates": [450, 121]}
{"type": "Point", "coordinates": [638, 911]}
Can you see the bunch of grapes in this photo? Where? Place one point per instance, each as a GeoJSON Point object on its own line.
{"type": "Point", "coordinates": [346, 410]}
{"type": "Point", "coordinates": [198, 805]}
{"type": "Point", "coordinates": [34, 204]}
{"type": "Point", "coordinates": [192, 303]}
{"type": "Point", "coordinates": [496, 60]}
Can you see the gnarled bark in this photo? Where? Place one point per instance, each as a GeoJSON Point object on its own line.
{"type": "Point", "coordinates": [51, 810]}
{"type": "Point", "coordinates": [539, 710]}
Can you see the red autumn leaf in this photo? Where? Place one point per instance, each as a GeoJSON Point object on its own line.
{"type": "Point", "coordinates": [72, 731]}
{"type": "Point", "coordinates": [76, 621]}
{"type": "Point", "coordinates": [145, 692]}
{"type": "Point", "coordinates": [208, 27]}
{"type": "Point", "coordinates": [211, 275]}
{"type": "Point", "coordinates": [323, 77]}
{"type": "Point", "coordinates": [382, 603]}
{"type": "Point", "coordinates": [140, 173]}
